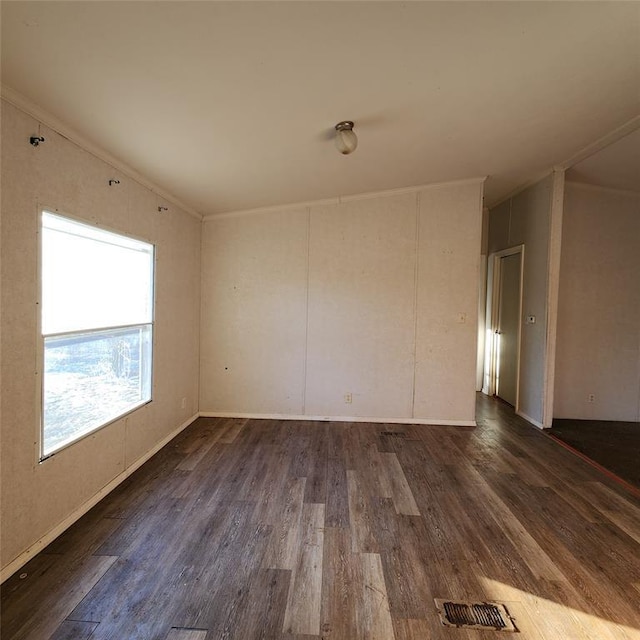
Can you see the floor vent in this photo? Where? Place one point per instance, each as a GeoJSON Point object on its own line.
{"type": "Point", "coordinates": [396, 434]}
{"type": "Point", "coordinates": [475, 615]}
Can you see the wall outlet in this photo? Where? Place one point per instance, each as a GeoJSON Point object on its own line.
{"type": "Point", "coordinates": [461, 318]}
{"type": "Point", "coordinates": [591, 397]}
{"type": "Point", "coordinates": [348, 398]}
{"type": "Point", "coordinates": [183, 404]}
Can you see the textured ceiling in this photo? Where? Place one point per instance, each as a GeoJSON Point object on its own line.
{"type": "Point", "coordinates": [227, 105]}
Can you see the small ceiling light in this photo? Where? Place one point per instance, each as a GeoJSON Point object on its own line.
{"type": "Point", "coordinates": [346, 139]}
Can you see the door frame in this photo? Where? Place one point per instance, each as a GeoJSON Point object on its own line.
{"type": "Point", "coordinates": [492, 317]}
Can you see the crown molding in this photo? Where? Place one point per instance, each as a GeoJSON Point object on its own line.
{"type": "Point", "coordinates": [44, 117]}
{"type": "Point", "coordinates": [304, 206]}
{"type": "Point", "coordinates": [613, 136]}
{"type": "Point", "coordinates": [599, 144]}
{"type": "Point", "coordinates": [588, 186]}
{"type": "Point", "coordinates": [523, 187]}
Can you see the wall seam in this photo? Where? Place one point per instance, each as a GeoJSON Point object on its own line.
{"type": "Point", "coordinates": [415, 306]}
{"type": "Point", "coordinates": [306, 332]}
{"type": "Point", "coordinates": [200, 310]}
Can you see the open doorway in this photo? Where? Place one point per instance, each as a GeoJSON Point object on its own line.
{"type": "Point", "coordinates": [503, 322]}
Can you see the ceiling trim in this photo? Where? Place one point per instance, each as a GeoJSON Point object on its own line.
{"type": "Point", "coordinates": [342, 199]}
{"type": "Point", "coordinates": [609, 138]}
{"type": "Point", "coordinates": [592, 148]}
{"type": "Point", "coordinates": [588, 186]}
{"type": "Point", "coordinates": [44, 117]}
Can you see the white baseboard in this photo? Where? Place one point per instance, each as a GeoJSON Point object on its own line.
{"type": "Point", "coordinates": [535, 423]}
{"type": "Point", "coordinates": [286, 416]}
{"type": "Point", "coordinates": [50, 536]}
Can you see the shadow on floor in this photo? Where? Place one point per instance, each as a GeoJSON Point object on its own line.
{"type": "Point", "coordinates": [613, 445]}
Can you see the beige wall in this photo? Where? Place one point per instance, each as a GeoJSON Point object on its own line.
{"type": "Point", "coordinates": [598, 328]}
{"type": "Point", "coordinates": [38, 498]}
{"type": "Point", "coordinates": [362, 297]}
{"type": "Point", "coordinates": [526, 219]}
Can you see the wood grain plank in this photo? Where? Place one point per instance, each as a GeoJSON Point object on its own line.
{"type": "Point", "coordinates": [337, 503]}
{"type": "Point", "coordinates": [539, 562]}
{"type": "Point", "coordinates": [401, 495]}
{"type": "Point", "coordinates": [266, 601]}
{"type": "Point", "coordinates": [74, 630]}
{"type": "Point", "coordinates": [504, 513]}
{"type": "Point", "coordinates": [286, 534]}
{"type": "Point", "coordinates": [303, 604]}
{"type": "Point", "coordinates": [232, 430]}
{"type": "Point", "coordinates": [198, 450]}
{"type": "Point", "coordinates": [316, 485]}
{"type": "Point", "coordinates": [362, 537]}
{"type": "Point", "coordinates": [374, 615]}
{"type": "Point", "coordinates": [340, 573]}
{"type": "Point", "coordinates": [186, 634]}
{"type": "Point", "coordinates": [621, 512]}
{"type": "Point", "coordinates": [58, 592]}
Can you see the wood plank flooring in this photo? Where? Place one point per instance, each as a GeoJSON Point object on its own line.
{"type": "Point", "coordinates": [265, 529]}
{"type": "Point", "coordinates": [614, 445]}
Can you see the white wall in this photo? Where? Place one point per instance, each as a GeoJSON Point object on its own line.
{"type": "Point", "coordinates": [301, 307]}
{"type": "Point", "coordinates": [38, 499]}
{"type": "Point", "coordinates": [526, 219]}
{"type": "Point", "coordinates": [598, 317]}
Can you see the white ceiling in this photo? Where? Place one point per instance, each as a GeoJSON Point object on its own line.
{"type": "Point", "coordinates": [227, 105]}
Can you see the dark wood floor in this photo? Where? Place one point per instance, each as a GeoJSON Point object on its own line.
{"type": "Point", "coordinates": [614, 445]}
{"type": "Point", "coordinates": [272, 529]}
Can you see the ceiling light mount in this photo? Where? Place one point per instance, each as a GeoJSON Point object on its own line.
{"type": "Point", "coordinates": [346, 139]}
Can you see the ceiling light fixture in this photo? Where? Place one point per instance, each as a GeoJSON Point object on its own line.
{"type": "Point", "coordinates": [346, 139]}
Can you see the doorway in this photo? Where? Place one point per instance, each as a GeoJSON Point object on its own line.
{"type": "Point", "coordinates": [504, 314]}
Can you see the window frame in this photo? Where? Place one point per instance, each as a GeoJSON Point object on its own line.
{"type": "Point", "coordinates": [41, 337]}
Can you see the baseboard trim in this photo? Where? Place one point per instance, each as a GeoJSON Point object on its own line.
{"type": "Point", "coordinates": [39, 545]}
{"type": "Point", "coordinates": [286, 416]}
{"type": "Point", "coordinates": [535, 423]}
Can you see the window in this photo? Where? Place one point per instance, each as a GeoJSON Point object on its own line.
{"type": "Point", "coordinates": [97, 326]}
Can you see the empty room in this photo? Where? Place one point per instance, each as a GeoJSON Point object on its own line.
{"type": "Point", "coordinates": [319, 320]}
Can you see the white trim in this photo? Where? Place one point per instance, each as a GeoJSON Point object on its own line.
{"type": "Point", "coordinates": [286, 416]}
{"type": "Point", "coordinates": [341, 199]}
{"type": "Point", "coordinates": [596, 187]}
{"type": "Point", "coordinates": [599, 144]}
{"type": "Point", "coordinates": [302, 207]}
{"type": "Point", "coordinates": [493, 303]}
{"type": "Point", "coordinates": [539, 177]}
{"type": "Point", "coordinates": [49, 120]}
{"type": "Point", "coordinates": [8, 570]}
{"type": "Point", "coordinates": [535, 423]}
{"type": "Point", "coordinates": [482, 322]}
{"type": "Point", "coordinates": [592, 148]}
{"type": "Point", "coordinates": [553, 292]}
{"type": "Point", "coordinates": [412, 189]}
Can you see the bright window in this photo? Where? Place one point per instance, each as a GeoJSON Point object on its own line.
{"type": "Point", "coordinates": [97, 327]}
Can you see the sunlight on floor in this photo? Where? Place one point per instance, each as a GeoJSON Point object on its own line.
{"type": "Point", "coordinates": [539, 618]}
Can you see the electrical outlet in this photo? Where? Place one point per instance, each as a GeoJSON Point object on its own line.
{"type": "Point", "coordinates": [591, 397]}
{"type": "Point", "coordinates": [183, 404]}
{"type": "Point", "coordinates": [348, 398]}
{"type": "Point", "coordinates": [461, 318]}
